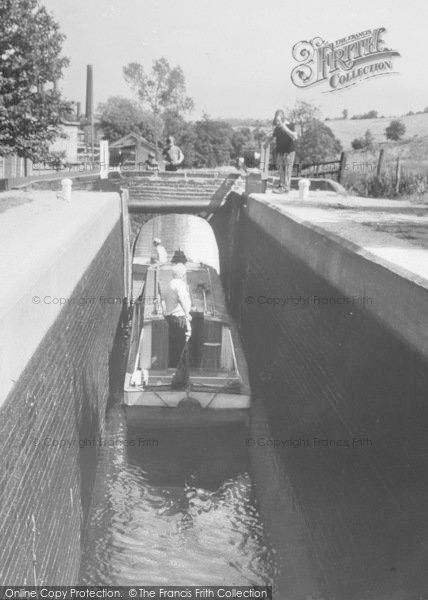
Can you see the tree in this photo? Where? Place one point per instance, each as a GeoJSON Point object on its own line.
{"type": "Point", "coordinates": [187, 141]}
{"type": "Point", "coordinates": [120, 116]}
{"type": "Point", "coordinates": [240, 138]}
{"type": "Point", "coordinates": [395, 130]}
{"type": "Point", "coordinates": [30, 64]}
{"type": "Point", "coordinates": [213, 144]}
{"type": "Point", "coordinates": [369, 144]}
{"type": "Point", "coordinates": [173, 123]}
{"type": "Point", "coordinates": [259, 135]}
{"type": "Point", "coordinates": [164, 89]}
{"type": "Point", "coordinates": [345, 113]}
{"type": "Point", "coordinates": [317, 143]}
{"type": "Point", "coordinates": [372, 114]}
{"type": "Point", "coordinates": [303, 114]}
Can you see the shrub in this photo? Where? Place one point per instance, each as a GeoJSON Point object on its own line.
{"type": "Point", "coordinates": [364, 143]}
{"type": "Point", "coordinates": [358, 143]}
{"type": "Point", "coordinates": [395, 130]}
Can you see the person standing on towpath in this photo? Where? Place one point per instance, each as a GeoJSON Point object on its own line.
{"type": "Point", "coordinates": [285, 137]}
{"type": "Point", "coordinates": [172, 155]}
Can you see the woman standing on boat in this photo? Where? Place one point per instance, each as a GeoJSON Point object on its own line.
{"type": "Point", "coordinates": [177, 313]}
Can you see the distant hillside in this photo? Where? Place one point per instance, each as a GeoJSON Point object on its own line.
{"type": "Point", "coordinates": [349, 129]}
{"type": "Point", "coordinates": [238, 123]}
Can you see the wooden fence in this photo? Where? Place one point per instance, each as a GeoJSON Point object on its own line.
{"type": "Point", "coordinates": [331, 169]}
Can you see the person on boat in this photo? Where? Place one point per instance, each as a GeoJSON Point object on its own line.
{"type": "Point", "coordinates": [161, 256]}
{"type": "Point", "coordinates": [285, 137]}
{"type": "Point", "coordinates": [179, 257]}
{"type": "Point", "coordinates": [177, 313]}
{"type": "Point", "coordinates": [172, 155]}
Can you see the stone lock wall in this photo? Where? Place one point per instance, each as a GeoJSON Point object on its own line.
{"type": "Point", "coordinates": [348, 399]}
{"type": "Point", "coordinates": [49, 426]}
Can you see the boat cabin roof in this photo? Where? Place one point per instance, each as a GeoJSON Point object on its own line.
{"type": "Point", "coordinates": [189, 234]}
{"type": "Point", "coordinates": [206, 292]}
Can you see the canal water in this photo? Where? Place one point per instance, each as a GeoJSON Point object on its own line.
{"type": "Point", "coordinates": [174, 507]}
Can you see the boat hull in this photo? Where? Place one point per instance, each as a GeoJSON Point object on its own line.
{"type": "Point", "coordinates": [171, 398]}
{"type": "Point", "coordinates": [140, 417]}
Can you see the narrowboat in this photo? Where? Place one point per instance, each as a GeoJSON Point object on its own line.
{"type": "Point", "coordinates": [216, 386]}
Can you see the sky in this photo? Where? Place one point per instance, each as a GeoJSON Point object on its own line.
{"type": "Point", "coordinates": [237, 54]}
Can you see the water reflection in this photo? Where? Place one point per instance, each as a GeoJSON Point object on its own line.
{"type": "Point", "coordinates": [174, 508]}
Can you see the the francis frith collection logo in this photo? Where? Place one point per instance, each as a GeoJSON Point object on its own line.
{"type": "Point", "coordinates": [342, 63]}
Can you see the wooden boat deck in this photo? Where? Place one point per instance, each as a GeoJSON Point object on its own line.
{"type": "Point", "coordinates": [205, 289]}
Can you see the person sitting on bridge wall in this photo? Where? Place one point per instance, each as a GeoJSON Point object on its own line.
{"type": "Point", "coordinates": [161, 256]}
{"type": "Point", "coordinates": [151, 164]}
{"type": "Point", "coordinates": [177, 313]}
{"type": "Point", "coordinates": [285, 136]}
{"type": "Point", "coordinates": [172, 155]}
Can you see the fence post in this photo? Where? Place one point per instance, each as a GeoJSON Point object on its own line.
{"type": "Point", "coordinates": [342, 167]}
{"type": "Point", "coordinates": [397, 175]}
{"type": "Point", "coordinates": [264, 162]}
{"type": "Point", "coordinates": [379, 162]}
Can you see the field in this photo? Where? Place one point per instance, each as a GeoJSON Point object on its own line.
{"type": "Point", "coordinates": [347, 130]}
{"type": "Point", "coordinates": [360, 174]}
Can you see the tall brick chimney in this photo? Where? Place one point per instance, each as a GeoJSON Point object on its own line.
{"type": "Point", "coordinates": [90, 107]}
{"type": "Point", "coordinates": [89, 92]}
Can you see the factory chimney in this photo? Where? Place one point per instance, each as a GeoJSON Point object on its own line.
{"type": "Point", "coordinates": [89, 92]}
{"type": "Point", "coordinates": [90, 107]}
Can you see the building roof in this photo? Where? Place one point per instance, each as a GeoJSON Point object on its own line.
{"type": "Point", "coordinates": [132, 139]}
{"type": "Point", "coordinates": [69, 122]}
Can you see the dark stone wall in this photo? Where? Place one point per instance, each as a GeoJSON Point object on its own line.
{"type": "Point", "coordinates": [346, 402]}
{"type": "Point", "coordinates": [47, 429]}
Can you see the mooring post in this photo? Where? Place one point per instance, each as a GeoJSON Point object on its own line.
{"type": "Point", "coordinates": [379, 162]}
{"type": "Point", "coordinates": [342, 166]}
{"type": "Point", "coordinates": [397, 175]}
